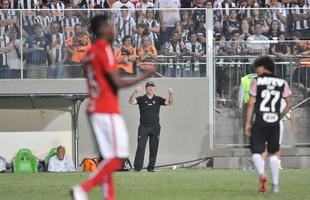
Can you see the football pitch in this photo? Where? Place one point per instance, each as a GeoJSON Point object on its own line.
{"type": "Point", "coordinates": [180, 184]}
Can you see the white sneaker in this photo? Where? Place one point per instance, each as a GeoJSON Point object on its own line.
{"type": "Point", "coordinates": [77, 193]}
{"type": "Point", "coordinates": [275, 188]}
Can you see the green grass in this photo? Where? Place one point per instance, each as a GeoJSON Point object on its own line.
{"type": "Point", "coordinates": [163, 185]}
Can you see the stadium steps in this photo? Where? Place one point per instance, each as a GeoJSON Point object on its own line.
{"type": "Point", "coordinates": [239, 158]}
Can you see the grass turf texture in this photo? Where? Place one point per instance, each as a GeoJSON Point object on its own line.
{"type": "Point", "coordinates": [178, 184]}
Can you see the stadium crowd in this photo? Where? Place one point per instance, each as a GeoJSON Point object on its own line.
{"type": "Point", "coordinates": [147, 32]}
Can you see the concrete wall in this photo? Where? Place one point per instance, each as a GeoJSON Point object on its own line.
{"type": "Point", "coordinates": [184, 133]}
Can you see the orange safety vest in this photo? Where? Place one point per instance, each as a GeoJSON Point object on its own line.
{"type": "Point", "coordinates": [120, 54]}
{"type": "Point", "coordinates": [90, 164]}
{"type": "Point", "coordinates": [80, 48]}
{"type": "Point", "coordinates": [305, 62]}
{"type": "Point", "coordinates": [148, 61]}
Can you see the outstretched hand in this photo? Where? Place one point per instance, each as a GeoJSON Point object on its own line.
{"type": "Point", "coordinates": [170, 90]}
{"type": "Point", "coordinates": [137, 90]}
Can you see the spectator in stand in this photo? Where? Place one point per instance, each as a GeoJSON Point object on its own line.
{"type": "Point", "coordinates": [245, 8]}
{"type": "Point", "coordinates": [257, 17]}
{"type": "Point", "coordinates": [195, 50]}
{"type": "Point", "coordinates": [245, 30]}
{"type": "Point", "coordinates": [287, 5]}
{"type": "Point", "coordinates": [175, 50]}
{"type": "Point", "coordinates": [72, 2]}
{"type": "Point", "coordinates": [186, 25]}
{"type": "Point", "coordinates": [199, 16]}
{"type": "Point", "coordinates": [255, 46]}
{"type": "Point", "coordinates": [232, 24]}
{"type": "Point", "coordinates": [276, 13]}
{"type": "Point", "coordinates": [187, 3]}
{"type": "Point", "coordinates": [14, 55]}
{"type": "Point", "coordinates": [29, 13]}
{"type": "Point", "coordinates": [125, 57]}
{"type": "Point", "coordinates": [296, 46]}
{"type": "Point", "coordinates": [68, 23]}
{"type": "Point", "coordinates": [78, 45]}
{"type": "Point", "coordinates": [57, 50]}
{"type": "Point", "coordinates": [60, 162]}
{"type": "Point", "coordinates": [236, 46]}
{"type": "Point", "coordinates": [43, 18]}
{"type": "Point", "coordinates": [169, 16]}
{"type": "Point", "coordinates": [36, 49]}
{"type": "Point", "coordinates": [121, 3]}
{"type": "Point", "coordinates": [274, 30]}
{"type": "Point", "coordinates": [90, 4]}
{"type": "Point", "coordinates": [301, 16]}
{"type": "Point", "coordinates": [5, 48]}
{"type": "Point", "coordinates": [147, 53]}
{"type": "Point", "coordinates": [57, 10]}
{"type": "Point", "coordinates": [125, 24]}
{"type": "Point", "coordinates": [153, 26]}
{"type": "Point", "coordinates": [7, 17]}
{"type": "Point", "coordinates": [144, 5]}
{"type": "Point", "coordinates": [142, 29]}
{"type": "Point", "coordinates": [282, 51]}
{"type": "Point", "coordinates": [223, 8]}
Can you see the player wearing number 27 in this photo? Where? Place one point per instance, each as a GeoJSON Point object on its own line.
{"type": "Point", "coordinates": [263, 118]}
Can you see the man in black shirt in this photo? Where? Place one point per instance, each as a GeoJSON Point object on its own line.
{"type": "Point", "coordinates": [266, 92]}
{"type": "Point", "coordinates": [149, 106]}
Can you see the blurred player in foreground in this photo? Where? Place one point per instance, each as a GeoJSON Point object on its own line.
{"type": "Point", "coordinates": [265, 101]}
{"type": "Point", "coordinates": [103, 109]}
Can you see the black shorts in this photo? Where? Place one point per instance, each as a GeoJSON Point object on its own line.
{"type": "Point", "coordinates": [265, 134]}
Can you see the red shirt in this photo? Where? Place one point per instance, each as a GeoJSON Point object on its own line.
{"type": "Point", "coordinates": [98, 62]}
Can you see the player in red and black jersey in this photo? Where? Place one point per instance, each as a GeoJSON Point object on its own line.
{"type": "Point", "coordinates": [103, 108]}
{"type": "Point", "coordinates": [263, 118]}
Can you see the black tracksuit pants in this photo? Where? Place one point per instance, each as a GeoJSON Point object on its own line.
{"type": "Point", "coordinates": [143, 134]}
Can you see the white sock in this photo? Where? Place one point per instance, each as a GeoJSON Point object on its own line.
{"type": "Point", "coordinates": [274, 167]}
{"type": "Point", "coordinates": [259, 163]}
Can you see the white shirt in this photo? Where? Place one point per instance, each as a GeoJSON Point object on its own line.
{"type": "Point", "coordinates": [169, 16]}
{"type": "Point", "coordinates": [56, 165]}
{"type": "Point", "coordinates": [143, 6]}
{"type": "Point", "coordinates": [118, 4]}
{"type": "Point", "coordinates": [13, 61]}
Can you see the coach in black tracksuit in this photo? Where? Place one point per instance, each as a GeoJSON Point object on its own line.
{"type": "Point", "coordinates": [149, 106]}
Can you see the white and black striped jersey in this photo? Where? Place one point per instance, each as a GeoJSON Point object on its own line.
{"type": "Point", "coordinates": [225, 7]}
{"type": "Point", "coordinates": [57, 43]}
{"type": "Point", "coordinates": [4, 42]}
{"type": "Point", "coordinates": [89, 4]}
{"type": "Point", "coordinates": [28, 4]}
{"type": "Point", "coordinates": [29, 14]}
{"type": "Point", "coordinates": [152, 24]}
{"type": "Point", "coordinates": [68, 26]}
{"type": "Point", "coordinates": [43, 21]}
{"type": "Point", "coordinates": [57, 11]}
{"type": "Point", "coordinates": [125, 26]}
{"type": "Point", "coordinates": [301, 24]}
{"type": "Point", "coordinates": [5, 15]}
{"type": "Point", "coordinates": [193, 47]}
{"type": "Point", "coordinates": [14, 4]}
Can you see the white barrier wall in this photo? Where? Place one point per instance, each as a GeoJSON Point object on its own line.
{"type": "Point", "coordinates": [37, 130]}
